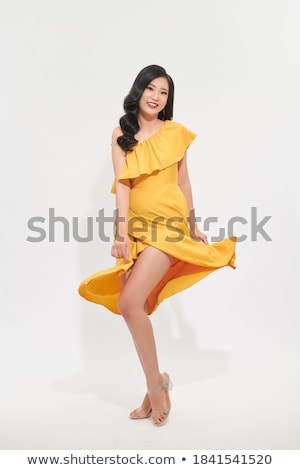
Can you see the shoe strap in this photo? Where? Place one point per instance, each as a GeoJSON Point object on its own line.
{"type": "Point", "coordinates": [164, 386]}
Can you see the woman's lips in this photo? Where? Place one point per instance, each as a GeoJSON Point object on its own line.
{"type": "Point", "coordinates": [152, 105]}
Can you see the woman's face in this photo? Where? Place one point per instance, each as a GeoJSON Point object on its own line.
{"type": "Point", "coordinates": [154, 97]}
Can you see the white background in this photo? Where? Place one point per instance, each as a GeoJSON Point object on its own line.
{"type": "Point", "coordinates": [231, 343]}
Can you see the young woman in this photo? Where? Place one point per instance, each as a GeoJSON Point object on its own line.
{"type": "Point", "coordinates": [158, 246]}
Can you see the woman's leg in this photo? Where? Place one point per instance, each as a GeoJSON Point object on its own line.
{"type": "Point", "coordinates": [150, 267]}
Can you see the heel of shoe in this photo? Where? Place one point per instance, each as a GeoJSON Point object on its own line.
{"type": "Point", "coordinates": [167, 384]}
{"type": "Point", "coordinates": [170, 387]}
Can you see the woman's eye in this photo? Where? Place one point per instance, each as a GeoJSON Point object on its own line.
{"type": "Point", "coordinates": [149, 88]}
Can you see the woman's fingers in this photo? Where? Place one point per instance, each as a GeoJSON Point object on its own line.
{"type": "Point", "coordinates": [204, 239]}
{"type": "Point", "coordinates": [120, 250]}
{"type": "Point", "coordinates": [201, 236]}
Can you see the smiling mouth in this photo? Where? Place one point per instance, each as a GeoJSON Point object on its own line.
{"type": "Point", "coordinates": [152, 105]}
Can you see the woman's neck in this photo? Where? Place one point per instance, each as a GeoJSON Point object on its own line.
{"type": "Point", "coordinates": [149, 123]}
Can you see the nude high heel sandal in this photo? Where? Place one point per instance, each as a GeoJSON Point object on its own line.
{"type": "Point", "coordinates": [144, 411]}
{"type": "Point", "coordinates": [159, 416]}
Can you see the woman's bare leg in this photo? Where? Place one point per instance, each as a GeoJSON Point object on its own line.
{"type": "Point", "coordinates": [150, 267]}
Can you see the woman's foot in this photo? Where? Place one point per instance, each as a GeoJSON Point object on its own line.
{"type": "Point", "coordinates": [144, 411]}
{"type": "Point", "coordinates": [160, 401]}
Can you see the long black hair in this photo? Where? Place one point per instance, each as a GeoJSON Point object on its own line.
{"type": "Point", "coordinates": [129, 121]}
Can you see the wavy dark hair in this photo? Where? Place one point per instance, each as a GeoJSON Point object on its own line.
{"type": "Point", "coordinates": [129, 121]}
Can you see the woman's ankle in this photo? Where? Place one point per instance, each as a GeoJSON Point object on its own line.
{"type": "Point", "coordinates": [154, 383]}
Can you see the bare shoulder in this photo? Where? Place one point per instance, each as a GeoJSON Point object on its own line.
{"type": "Point", "coordinates": [118, 153]}
{"type": "Point", "coordinates": [116, 133]}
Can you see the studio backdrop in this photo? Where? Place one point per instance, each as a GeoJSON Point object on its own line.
{"type": "Point", "coordinates": [65, 69]}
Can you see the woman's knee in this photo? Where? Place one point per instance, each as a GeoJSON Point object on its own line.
{"type": "Point", "coordinates": [128, 304]}
{"type": "Point", "coordinates": [125, 304]}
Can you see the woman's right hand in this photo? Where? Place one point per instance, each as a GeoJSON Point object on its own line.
{"type": "Point", "coordinates": [121, 249]}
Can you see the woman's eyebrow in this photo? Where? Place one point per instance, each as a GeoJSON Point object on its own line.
{"type": "Point", "coordinates": [162, 88]}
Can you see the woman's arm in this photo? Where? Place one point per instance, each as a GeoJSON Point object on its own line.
{"type": "Point", "coordinates": [185, 185]}
{"type": "Point", "coordinates": [120, 247]}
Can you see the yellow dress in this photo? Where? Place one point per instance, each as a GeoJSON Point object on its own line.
{"type": "Point", "coordinates": [157, 216]}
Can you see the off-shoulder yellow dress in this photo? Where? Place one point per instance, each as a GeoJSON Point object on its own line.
{"type": "Point", "coordinates": [157, 216]}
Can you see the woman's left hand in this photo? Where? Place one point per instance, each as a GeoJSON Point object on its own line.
{"type": "Point", "coordinates": [197, 235]}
